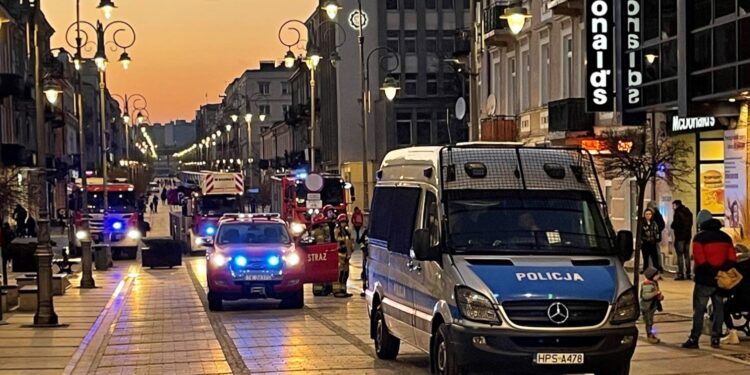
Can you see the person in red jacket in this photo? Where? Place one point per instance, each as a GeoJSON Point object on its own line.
{"type": "Point", "coordinates": [713, 251]}
{"type": "Point", "coordinates": [358, 219]}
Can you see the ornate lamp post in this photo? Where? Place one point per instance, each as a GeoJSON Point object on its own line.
{"type": "Point", "coordinates": [138, 103]}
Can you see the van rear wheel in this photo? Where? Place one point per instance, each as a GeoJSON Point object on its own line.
{"type": "Point", "coordinates": [386, 345]}
{"type": "Point", "coordinates": [442, 356]}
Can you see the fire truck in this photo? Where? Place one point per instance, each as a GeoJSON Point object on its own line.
{"type": "Point", "coordinates": [216, 194]}
{"type": "Point", "coordinates": [120, 225]}
{"type": "Point", "coordinates": [299, 197]}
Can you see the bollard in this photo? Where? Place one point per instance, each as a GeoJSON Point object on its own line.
{"type": "Point", "coordinates": [100, 260]}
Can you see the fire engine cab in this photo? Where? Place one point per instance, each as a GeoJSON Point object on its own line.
{"type": "Point", "coordinates": [255, 256]}
{"type": "Point", "coordinates": [120, 225]}
{"type": "Point", "coordinates": [300, 196]}
{"type": "Point", "coordinates": [196, 223]}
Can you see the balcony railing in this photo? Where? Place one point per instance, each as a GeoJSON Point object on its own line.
{"type": "Point", "coordinates": [570, 115]}
{"type": "Point", "coordinates": [496, 31]}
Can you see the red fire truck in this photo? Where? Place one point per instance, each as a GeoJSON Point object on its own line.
{"type": "Point", "coordinates": [216, 194]}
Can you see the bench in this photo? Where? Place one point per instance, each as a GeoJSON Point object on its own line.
{"type": "Point", "coordinates": [28, 299]}
{"type": "Point", "coordinates": [25, 280]}
{"type": "Point", "coordinates": [60, 282]}
{"type": "Point", "coordinates": [11, 295]}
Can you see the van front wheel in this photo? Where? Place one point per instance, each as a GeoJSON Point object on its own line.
{"type": "Point", "coordinates": [442, 356]}
{"type": "Point", "coordinates": [386, 345]}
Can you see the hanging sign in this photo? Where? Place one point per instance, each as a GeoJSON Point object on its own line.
{"type": "Point", "coordinates": [631, 60]}
{"type": "Point", "coordinates": [599, 56]}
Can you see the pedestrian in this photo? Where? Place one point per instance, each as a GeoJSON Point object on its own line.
{"type": "Point", "coordinates": [650, 238]}
{"type": "Point", "coordinates": [164, 195]}
{"type": "Point", "coordinates": [682, 225]}
{"type": "Point", "coordinates": [358, 219]}
{"type": "Point", "coordinates": [713, 251]}
{"type": "Point", "coordinates": [343, 237]}
{"type": "Point", "coordinates": [651, 298]}
{"type": "Point", "coordinates": [365, 246]}
{"type": "Point", "coordinates": [19, 216]}
{"type": "Point", "coordinates": [155, 204]}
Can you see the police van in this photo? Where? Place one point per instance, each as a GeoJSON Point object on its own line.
{"type": "Point", "coordinates": [487, 255]}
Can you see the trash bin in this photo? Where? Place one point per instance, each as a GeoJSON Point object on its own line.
{"type": "Point", "coordinates": [101, 261]}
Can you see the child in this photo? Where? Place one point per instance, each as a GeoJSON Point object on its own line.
{"type": "Point", "coordinates": [651, 298]}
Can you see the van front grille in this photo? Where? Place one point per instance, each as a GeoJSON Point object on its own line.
{"type": "Point", "coordinates": [564, 313]}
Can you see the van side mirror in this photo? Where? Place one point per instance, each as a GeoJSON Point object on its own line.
{"type": "Point", "coordinates": [421, 246]}
{"type": "Point", "coordinates": [624, 245]}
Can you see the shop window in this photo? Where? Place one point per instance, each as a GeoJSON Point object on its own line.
{"type": "Point", "coordinates": [668, 18]}
{"type": "Point", "coordinates": [745, 76]}
{"type": "Point", "coordinates": [725, 44]}
{"type": "Point", "coordinates": [744, 34]}
{"type": "Point", "coordinates": [723, 8]}
{"type": "Point", "coordinates": [712, 150]}
{"type": "Point", "coordinates": [701, 14]}
{"type": "Point", "coordinates": [669, 91]}
{"type": "Point", "coordinates": [408, 4]}
{"type": "Point", "coordinates": [668, 59]}
{"type": "Point", "coordinates": [725, 79]}
{"type": "Point", "coordinates": [650, 19]}
{"type": "Point", "coordinates": [701, 44]}
{"type": "Point", "coordinates": [410, 41]}
{"type": "Point", "coordinates": [430, 4]}
{"type": "Point", "coordinates": [651, 94]}
{"type": "Point", "coordinates": [391, 4]}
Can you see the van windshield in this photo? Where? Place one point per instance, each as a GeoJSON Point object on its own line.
{"type": "Point", "coordinates": [526, 221]}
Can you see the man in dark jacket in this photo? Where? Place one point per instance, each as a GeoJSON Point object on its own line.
{"type": "Point", "coordinates": [682, 224]}
{"type": "Point", "coordinates": [713, 252]}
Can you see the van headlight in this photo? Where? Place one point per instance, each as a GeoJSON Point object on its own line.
{"type": "Point", "coordinates": [475, 306]}
{"type": "Point", "coordinates": [291, 259]}
{"type": "Point", "coordinates": [219, 260]}
{"type": "Point", "coordinates": [626, 308]}
{"type": "Point", "coordinates": [134, 234]}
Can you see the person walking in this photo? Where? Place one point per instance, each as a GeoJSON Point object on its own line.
{"type": "Point", "coordinates": [682, 225]}
{"type": "Point", "coordinates": [650, 238]}
{"type": "Point", "coordinates": [713, 251]}
{"type": "Point", "coordinates": [650, 303]}
{"type": "Point", "coordinates": [155, 204]}
{"type": "Point", "coordinates": [358, 219]}
{"type": "Point", "coordinates": [164, 195]}
{"type": "Point", "coordinates": [661, 224]}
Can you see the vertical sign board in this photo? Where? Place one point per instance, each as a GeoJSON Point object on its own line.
{"type": "Point", "coordinates": [735, 182]}
{"type": "Point", "coordinates": [632, 59]}
{"type": "Point", "coordinates": [599, 56]}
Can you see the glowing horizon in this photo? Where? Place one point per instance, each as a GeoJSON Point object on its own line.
{"type": "Point", "coordinates": [175, 48]}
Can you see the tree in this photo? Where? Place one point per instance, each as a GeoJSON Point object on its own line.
{"type": "Point", "coordinates": [632, 154]}
{"type": "Point", "coordinates": [12, 193]}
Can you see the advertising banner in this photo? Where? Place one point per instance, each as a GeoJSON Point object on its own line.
{"type": "Point", "coordinates": [735, 181]}
{"type": "Point", "coordinates": [632, 59]}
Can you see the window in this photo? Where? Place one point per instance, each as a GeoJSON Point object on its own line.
{"type": "Point", "coordinates": [264, 88]}
{"type": "Point", "coordinates": [284, 88]}
{"type": "Point", "coordinates": [723, 8]}
{"type": "Point", "coordinates": [286, 108]}
{"type": "Point", "coordinates": [567, 76]}
{"type": "Point", "coordinates": [265, 109]}
{"type": "Point", "coordinates": [408, 4]}
{"type": "Point", "coordinates": [405, 201]}
{"type": "Point", "coordinates": [424, 129]}
{"type": "Point", "coordinates": [744, 34]}
{"type": "Point", "coordinates": [650, 14]}
{"type": "Point", "coordinates": [431, 220]}
{"type": "Point", "coordinates": [430, 4]}
{"type": "Point", "coordinates": [403, 128]}
{"type": "Point", "coordinates": [668, 59]}
{"type": "Point", "coordinates": [467, 4]}
{"type": "Point", "coordinates": [701, 14]}
{"type": "Point", "coordinates": [544, 76]}
{"type": "Point", "coordinates": [442, 133]}
{"type": "Point", "coordinates": [253, 233]}
{"type": "Point", "coordinates": [410, 41]}
{"type": "Point", "coordinates": [701, 44]}
{"type": "Point", "coordinates": [432, 85]}
{"type": "Point", "coordinates": [391, 4]}
{"type": "Point", "coordinates": [669, 18]}
{"type": "Point", "coordinates": [447, 4]}
{"type": "Point", "coordinates": [393, 40]}
{"type": "Point", "coordinates": [410, 86]}
{"type": "Point", "coordinates": [725, 46]}
{"type": "Point", "coordinates": [380, 215]}
{"type": "Point", "coordinates": [525, 78]}
{"type": "Point", "coordinates": [430, 41]}
{"type": "Point", "coordinates": [447, 45]}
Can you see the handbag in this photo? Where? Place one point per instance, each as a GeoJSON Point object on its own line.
{"type": "Point", "coordinates": [728, 279]}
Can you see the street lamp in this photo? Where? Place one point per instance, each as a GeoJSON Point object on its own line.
{"type": "Point", "coordinates": [125, 60]}
{"type": "Point", "coordinates": [139, 118]}
{"type": "Point", "coordinates": [390, 88]}
{"type": "Point", "coordinates": [107, 6]}
{"type": "Point", "coordinates": [248, 117]}
{"type": "Point", "coordinates": [234, 117]}
{"type": "Point", "coordinates": [289, 59]}
{"type": "Point", "coordinates": [136, 102]}
{"type": "Point", "coordinates": [332, 8]}
{"type": "Point", "coordinates": [51, 92]}
{"type": "Point", "coordinates": [516, 17]}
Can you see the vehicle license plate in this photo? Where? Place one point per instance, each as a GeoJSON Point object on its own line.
{"type": "Point", "coordinates": [258, 277]}
{"type": "Point", "coordinates": [559, 358]}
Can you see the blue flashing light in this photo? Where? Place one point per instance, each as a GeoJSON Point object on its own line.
{"type": "Point", "coordinates": [273, 260]}
{"type": "Point", "coordinates": [210, 230]}
{"type": "Point", "coordinates": [240, 261]}
{"type": "Point", "coordinates": [117, 225]}
{"type": "Point", "coordinates": [301, 175]}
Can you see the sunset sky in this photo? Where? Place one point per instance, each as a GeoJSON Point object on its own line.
{"type": "Point", "coordinates": [186, 51]}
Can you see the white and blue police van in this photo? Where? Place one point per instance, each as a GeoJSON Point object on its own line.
{"type": "Point", "coordinates": [499, 256]}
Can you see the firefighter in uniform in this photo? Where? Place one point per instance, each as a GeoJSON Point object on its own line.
{"type": "Point", "coordinates": [343, 237]}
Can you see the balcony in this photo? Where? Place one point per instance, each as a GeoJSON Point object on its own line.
{"type": "Point", "coordinates": [499, 129]}
{"type": "Point", "coordinates": [11, 85]}
{"type": "Point", "coordinates": [496, 31]}
{"type": "Point", "coordinates": [566, 7]}
{"type": "Point", "coordinates": [569, 115]}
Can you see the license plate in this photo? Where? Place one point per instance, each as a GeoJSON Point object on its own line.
{"type": "Point", "coordinates": [559, 358]}
{"type": "Point", "coordinates": [258, 277]}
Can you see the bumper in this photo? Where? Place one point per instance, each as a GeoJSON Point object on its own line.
{"type": "Point", "coordinates": [221, 281]}
{"type": "Point", "coordinates": [602, 349]}
{"type": "Point", "coordinates": [120, 239]}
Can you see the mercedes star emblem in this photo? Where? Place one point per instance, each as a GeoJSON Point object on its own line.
{"type": "Point", "coordinates": [558, 313]}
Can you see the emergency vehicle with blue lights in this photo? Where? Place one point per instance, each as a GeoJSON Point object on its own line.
{"type": "Point", "coordinates": [255, 256]}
